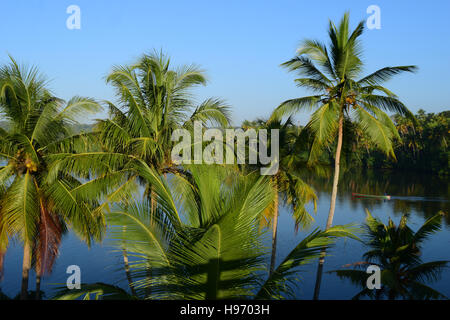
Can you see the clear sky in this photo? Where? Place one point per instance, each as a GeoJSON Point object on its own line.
{"type": "Point", "coordinates": [240, 44]}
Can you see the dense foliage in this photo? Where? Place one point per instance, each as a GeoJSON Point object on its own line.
{"type": "Point", "coordinates": [423, 145]}
{"type": "Point", "coordinates": [196, 231]}
{"type": "Point", "coordinates": [397, 250]}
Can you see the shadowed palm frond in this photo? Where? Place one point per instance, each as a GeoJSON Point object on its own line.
{"type": "Point", "coordinates": [282, 282]}
{"type": "Point", "coordinates": [395, 249]}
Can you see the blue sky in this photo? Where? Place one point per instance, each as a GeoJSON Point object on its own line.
{"type": "Point", "coordinates": [240, 44]}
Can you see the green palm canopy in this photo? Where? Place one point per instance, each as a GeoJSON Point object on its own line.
{"type": "Point", "coordinates": [36, 207]}
{"type": "Point", "coordinates": [216, 253]}
{"type": "Point", "coordinates": [153, 99]}
{"type": "Point", "coordinates": [334, 74]}
{"type": "Point", "coordinates": [342, 96]}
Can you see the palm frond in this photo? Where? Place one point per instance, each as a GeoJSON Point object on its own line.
{"type": "Point", "coordinates": [282, 281]}
{"type": "Point", "coordinates": [101, 291]}
{"type": "Point", "coordinates": [291, 106]}
{"type": "Point", "coordinates": [20, 207]}
{"type": "Point", "coordinates": [384, 74]}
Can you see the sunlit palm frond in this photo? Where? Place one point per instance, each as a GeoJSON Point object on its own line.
{"type": "Point", "coordinates": [294, 105]}
{"type": "Point", "coordinates": [384, 74]}
{"type": "Point", "coordinates": [99, 291]}
{"type": "Point", "coordinates": [20, 207]}
{"type": "Point", "coordinates": [214, 111]}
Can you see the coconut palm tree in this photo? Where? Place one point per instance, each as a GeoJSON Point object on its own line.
{"type": "Point", "coordinates": [154, 99]}
{"type": "Point", "coordinates": [396, 250]}
{"type": "Point", "coordinates": [333, 72]}
{"type": "Point", "coordinates": [216, 252]}
{"type": "Point", "coordinates": [35, 205]}
{"type": "Point", "coordinates": [286, 182]}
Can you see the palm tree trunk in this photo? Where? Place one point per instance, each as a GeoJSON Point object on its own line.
{"type": "Point", "coordinates": [336, 174]}
{"type": "Point", "coordinates": [127, 271]}
{"type": "Point", "coordinates": [153, 203]}
{"type": "Point", "coordinates": [332, 205]}
{"type": "Point", "coordinates": [127, 266]}
{"type": "Point", "coordinates": [274, 234]}
{"type": "Point", "coordinates": [26, 265]}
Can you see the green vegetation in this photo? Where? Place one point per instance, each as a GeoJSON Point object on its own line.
{"type": "Point", "coordinates": [396, 251]}
{"type": "Point", "coordinates": [217, 253]}
{"type": "Point", "coordinates": [343, 98]}
{"type": "Point", "coordinates": [287, 182]}
{"type": "Point", "coordinates": [35, 205]}
{"type": "Point", "coordinates": [196, 231]}
{"type": "Point", "coordinates": [422, 146]}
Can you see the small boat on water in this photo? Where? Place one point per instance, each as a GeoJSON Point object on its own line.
{"type": "Point", "coordinates": [360, 195]}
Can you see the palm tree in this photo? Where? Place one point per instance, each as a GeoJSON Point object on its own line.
{"type": "Point", "coordinates": [153, 100]}
{"type": "Point", "coordinates": [286, 182]}
{"type": "Point", "coordinates": [35, 205]}
{"type": "Point", "coordinates": [217, 252]}
{"type": "Point", "coordinates": [333, 73]}
{"type": "Point", "coordinates": [396, 251]}
{"type": "Point", "coordinates": [410, 135]}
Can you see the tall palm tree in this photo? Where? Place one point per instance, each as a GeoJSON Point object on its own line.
{"type": "Point", "coordinates": [396, 250]}
{"type": "Point", "coordinates": [216, 253]}
{"type": "Point", "coordinates": [334, 74]}
{"type": "Point", "coordinates": [35, 205]}
{"type": "Point", "coordinates": [154, 99]}
{"type": "Point", "coordinates": [286, 182]}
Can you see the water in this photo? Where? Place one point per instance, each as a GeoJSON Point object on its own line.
{"type": "Point", "coordinates": [419, 195]}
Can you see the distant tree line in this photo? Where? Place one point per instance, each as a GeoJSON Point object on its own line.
{"type": "Point", "coordinates": [423, 145]}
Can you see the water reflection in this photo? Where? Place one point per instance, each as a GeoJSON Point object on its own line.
{"type": "Point", "coordinates": [394, 251]}
{"type": "Point", "coordinates": [417, 195]}
{"type": "Point", "coordinates": [421, 196]}
{"type": "Point", "coordinates": [410, 192]}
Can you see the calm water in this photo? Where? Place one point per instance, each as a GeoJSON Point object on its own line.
{"type": "Point", "coordinates": [419, 195]}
